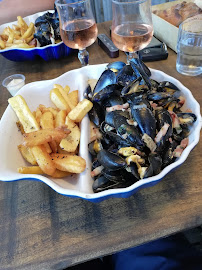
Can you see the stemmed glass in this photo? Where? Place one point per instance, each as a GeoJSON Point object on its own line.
{"type": "Point", "coordinates": [77, 26]}
{"type": "Point", "coordinates": [132, 27]}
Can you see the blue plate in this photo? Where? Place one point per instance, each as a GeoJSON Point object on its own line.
{"type": "Point", "coordinates": [49, 52]}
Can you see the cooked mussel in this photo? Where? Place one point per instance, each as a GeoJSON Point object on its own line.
{"type": "Point", "coordinates": [110, 160]}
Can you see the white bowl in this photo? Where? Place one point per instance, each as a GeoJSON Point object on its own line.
{"type": "Point", "coordinates": [79, 185]}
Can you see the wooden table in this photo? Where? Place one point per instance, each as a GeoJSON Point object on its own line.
{"type": "Point", "coordinates": [41, 230]}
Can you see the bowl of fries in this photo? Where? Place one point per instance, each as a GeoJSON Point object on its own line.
{"type": "Point", "coordinates": [17, 41]}
{"type": "Point", "coordinates": [52, 145]}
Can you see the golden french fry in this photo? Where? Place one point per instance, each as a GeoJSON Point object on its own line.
{"type": "Point", "coordinates": [54, 111]}
{"type": "Point", "coordinates": [44, 136]}
{"type": "Point", "coordinates": [6, 31]}
{"type": "Point", "coordinates": [48, 148]}
{"type": "Point", "coordinates": [38, 115]}
{"type": "Point", "coordinates": [22, 23]}
{"type": "Point", "coordinates": [81, 109]}
{"type": "Point", "coordinates": [17, 41]}
{"type": "Point", "coordinates": [57, 98]}
{"type": "Point", "coordinates": [43, 159]}
{"type": "Point", "coordinates": [46, 120]}
{"type": "Point", "coordinates": [29, 31]}
{"type": "Point", "coordinates": [4, 37]}
{"type": "Point", "coordinates": [67, 89]}
{"type": "Point", "coordinates": [60, 174]}
{"type": "Point", "coordinates": [44, 109]}
{"type": "Point", "coordinates": [73, 99]}
{"type": "Point", "coordinates": [53, 146]}
{"type": "Point", "coordinates": [28, 39]}
{"type": "Point", "coordinates": [69, 163]}
{"type": "Point", "coordinates": [21, 45]}
{"type": "Point", "coordinates": [60, 118]}
{"type": "Point", "coordinates": [71, 142]}
{"type": "Point", "coordinates": [27, 154]}
{"type": "Point", "coordinates": [30, 170]}
{"type": "Point", "coordinates": [64, 94]}
{"type": "Point", "coordinates": [10, 37]}
{"type": "Point", "coordinates": [2, 44]}
{"type": "Point", "coordinates": [58, 86]}
{"type": "Point", "coordinates": [23, 113]}
{"type": "Point", "coordinates": [16, 27]}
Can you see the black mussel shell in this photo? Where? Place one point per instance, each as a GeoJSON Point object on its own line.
{"type": "Point", "coordinates": [107, 78]}
{"type": "Point", "coordinates": [155, 161]}
{"type": "Point", "coordinates": [110, 160]}
{"type": "Point", "coordinates": [166, 84]}
{"type": "Point", "coordinates": [158, 96]}
{"type": "Point", "coordinates": [126, 75]}
{"type": "Point", "coordinates": [145, 119]}
{"type": "Point", "coordinates": [141, 72]}
{"type": "Point", "coordinates": [118, 65]}
{"type": "Point", "coordinates": [96, 114]}
{"type": "Point", "coordinates": [167, 157]}
{"type": "Point", "coordinates": [105, 93]}
{"type": "Point", "coordinates": [110, 116]}
{"type": "Point", "coordinates": [186, 118]}
{"type": "Point", "coordinates": [132, 87]}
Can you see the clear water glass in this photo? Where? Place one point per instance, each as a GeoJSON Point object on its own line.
{"type": "Point", "coordinates": [189, 47]}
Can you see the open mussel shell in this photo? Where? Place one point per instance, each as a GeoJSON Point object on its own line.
{"type": "Point", "coordinates": [186, 118]}
{"type": "Point", "coordinates": [140, 66]}
{"type": "Point", "coordinates": [132, 87]}
{"type": "Point", "coordinates": [158, 96]}
{"type": "Point", "coordinates": [107, 78]}
{"type": "Point", "coordinates": [116, 66]}
{"type": "Point", "coordinates": [137, 67]}
{"type": "Point", "coordinates": [105, 93]}
{"type": "Point", "coordinates": [126, 75]}
{"type": "Point", "coordinates": [166, 84]}
{"type": "Point", "coordinates": [130, 133]}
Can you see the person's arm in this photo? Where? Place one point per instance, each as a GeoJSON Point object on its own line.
{"type": "Point", "coordinates": [10, 9]}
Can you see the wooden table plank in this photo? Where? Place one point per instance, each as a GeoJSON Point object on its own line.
{"type": "Point", "coordinates": [40, 229]}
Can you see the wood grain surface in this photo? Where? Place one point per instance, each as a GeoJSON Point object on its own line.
{"type": "Point", "coordinates": [42, 230]}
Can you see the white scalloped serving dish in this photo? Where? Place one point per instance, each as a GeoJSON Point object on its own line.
{"type": "Point", "coordinates": [79, 185]}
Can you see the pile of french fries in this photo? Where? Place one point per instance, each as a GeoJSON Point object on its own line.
{"type": "Point", "coordinates": [51, 135]}
{"type": "Point", "coordinates": [20, 35]}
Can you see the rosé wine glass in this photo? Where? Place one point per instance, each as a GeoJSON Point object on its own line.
{"type": "Point", "coordinates": [132, 27]}
{"type": "Point", "coordinates": [77, 26]}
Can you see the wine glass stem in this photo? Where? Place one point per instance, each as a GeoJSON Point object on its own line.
{"type": "Point", "coordinates": [83, 56]}
{"type": "Point", "coordinates": [130, 56]}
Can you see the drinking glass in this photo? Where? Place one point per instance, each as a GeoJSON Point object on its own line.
{"type": "Point", "coordinates": [189, 47]}
{"type": "Point", "coordinates": [77, 26]}
{"type": "Point", "coordinates": [132, 27]}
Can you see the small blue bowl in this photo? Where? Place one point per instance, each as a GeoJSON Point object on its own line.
{"type": "Point", "coordinates": [49, 52]}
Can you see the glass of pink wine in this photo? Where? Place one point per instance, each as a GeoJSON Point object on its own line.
{"type": "Point", "coordinates": [132, 27]}
{"type": "Point", "coordinates": [78, 29]}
